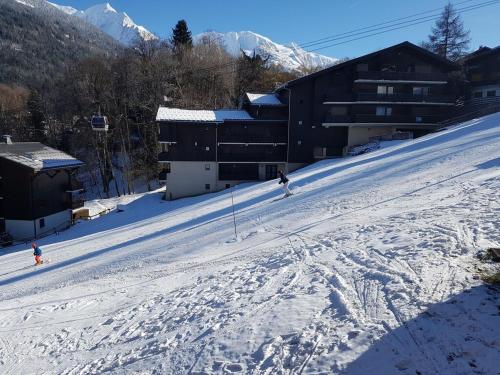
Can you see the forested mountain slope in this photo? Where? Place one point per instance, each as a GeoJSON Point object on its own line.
{"type": "Point", "coordinates": [38, 42]}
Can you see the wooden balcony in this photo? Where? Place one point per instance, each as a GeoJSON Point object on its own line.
{"type": "Point", "coordinates": [338, 119]}
{"type": "Point", "coordinates": [253, 138]}
{"type": "Point", "coordinates": [251, 153]}
{"type": "Point", "coordinates": [403, 76]}
{"type": "Point", "coordinates": [397, 119]}
{"type": "Point", "coordinates": [402, 98]}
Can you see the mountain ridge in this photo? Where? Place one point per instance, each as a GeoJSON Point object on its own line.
{"type": "Point", "coordinates": [291, 57]}
{"type": "Point", "coordinates": [121, 27]}
{"type": "Point", "coordinates": [118, 25]}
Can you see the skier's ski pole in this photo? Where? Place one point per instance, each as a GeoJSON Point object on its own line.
{"type": "Point", "coordinates": [234, 216]}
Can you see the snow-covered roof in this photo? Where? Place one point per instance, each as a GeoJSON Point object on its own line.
{"type": "Point", "coordinates": [263, 99]}
{"type": "Point", "coordinates": [176, 114]}
{"type": "Point", "coordinates": [37, 156]}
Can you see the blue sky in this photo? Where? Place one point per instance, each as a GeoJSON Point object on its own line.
{"type": "Point", "coordinates": [302, 21]}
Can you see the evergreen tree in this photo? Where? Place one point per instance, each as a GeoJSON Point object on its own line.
{"type": "Point", "coordinates": [251, 74]}
{"type": "Point", "coordinates": [181, 36]}
{"type": "Point", "coordinates": [36, 116]}
{"type": "Point", "coordinates": [449, 38]}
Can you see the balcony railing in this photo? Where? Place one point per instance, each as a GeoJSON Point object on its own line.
{"type": "Point", "coordinates": [405, 98]}
{"type": "Point", "coordinates": [337, 118]}
{"type": "Point", "coordinates": [252, 157]}
{"type": "Point", "coordinates": [403, 76]}
{"type": "Point", "coordinates": [253, 138]}
{"type": "Point", "coordinates": [395, 119]}
{"type": "Point", "coordinates": [237, 153]}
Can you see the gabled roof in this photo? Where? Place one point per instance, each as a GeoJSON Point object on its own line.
{"type": "Point", "coordinates": [187, 115]}
{"type": "Point", "coordinates": [438, 59]}
{"type": "Point", "coordinates": [37, 156]}
{"type": "Point", "coordinates": [480, 53]}
{"type": "Point", "coordinates": [263, 99]}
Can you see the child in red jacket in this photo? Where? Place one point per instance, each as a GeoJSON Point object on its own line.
{"type": "Point", "coordinates": [37, 252]}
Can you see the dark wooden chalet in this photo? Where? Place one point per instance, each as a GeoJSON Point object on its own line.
{"type": "Point", "coordinates": [482, 68]}
{"type": "Point", "coordinates": [37, 189]}
{"type": "Point", "coordinates": [400, 88]}
{"type": "Point", "coordinates": [204, 151]}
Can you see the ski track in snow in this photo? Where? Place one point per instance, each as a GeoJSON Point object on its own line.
{"type": "Point", "coordinates": [369, 269]}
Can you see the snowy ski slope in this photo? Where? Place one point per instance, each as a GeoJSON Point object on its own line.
{"type": "Point", "coordinates": [368, 269]}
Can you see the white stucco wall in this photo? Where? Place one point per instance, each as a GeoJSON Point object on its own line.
{"type": "Point", "coordinates": [55, 222]}
{"type": "Point", "coordinates": [20, 229]}
{"type": "Point", "coordinates": [25, 229]}
{"type": "Point", "coordinates": [188, 178]}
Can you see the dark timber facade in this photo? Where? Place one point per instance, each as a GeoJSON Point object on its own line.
{"type": "Point", "coordinates": [403, 88]}
{"type": "Point", "coordinates": [37, 195]}
{"type": "Point", "coordinates": [207, 151]}
{"type": "Point", "coordinates": [482, 68]}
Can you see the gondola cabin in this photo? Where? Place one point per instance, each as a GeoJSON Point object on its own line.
{"type": "Point", "coordinates": [99, 123]}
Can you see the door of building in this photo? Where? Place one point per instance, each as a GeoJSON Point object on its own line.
{"type": "Point", "coordinates": [271, 172]}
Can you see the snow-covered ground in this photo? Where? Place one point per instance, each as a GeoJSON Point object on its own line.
{"type": "Point", "coordinates": [368, 269]}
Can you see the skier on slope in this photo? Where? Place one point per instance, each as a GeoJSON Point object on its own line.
{"type": "Point", "coordinates": [284, 181]}
{"type": "Point", "coordinates": [37, 252]}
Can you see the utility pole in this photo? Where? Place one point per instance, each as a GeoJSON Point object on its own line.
{"type": "Point", "coordinates": [234, 216]}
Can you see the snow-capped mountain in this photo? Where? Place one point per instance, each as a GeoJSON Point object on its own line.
{"type": "Point", "coordinates": [292, 57]}
{"type": "Point", "coordinates": [122, 28]}
{"type": "Point", "coordinates": [116, 24]}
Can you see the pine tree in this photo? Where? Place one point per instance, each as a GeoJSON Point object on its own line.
{"type": "Point", "coordinates": [37, 117]}
{"type": "Point", "coordinates": [449, 38]}
{"type": "Point", "coordinates": [181, 36]}
{"type": "Point", "coordinates": [251, 74]}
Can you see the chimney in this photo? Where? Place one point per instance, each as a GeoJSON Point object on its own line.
{"type": "Point", "coordinates": [6, 139]}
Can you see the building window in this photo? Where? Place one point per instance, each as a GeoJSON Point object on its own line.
{"type": "Point", "coordinates": [385, 90]}
{"type": "Point", "coordinates": [207, 148]}
{"type": "Point", "coordinates": [319, 152]}
{"type": "Point", "coordinates": [300, 122]}
{"type": "Point", "coordinates": [196, 143]}
{"type": "Point", "coordinates": [362, 67]}
{"type": "Point", "coordinates": [421, 91]}
{"type": "Point", "coordinates": [207, 186]}
{"type": "Point", "coordinates": [418, 119]}
{"type": "Point", "coordinates": [384, 111]}
{"type": "Point", "coordinates": [271, 172]}
{"type": "Point", "coordinates": [207, 167]}
{"type": "Point", "coordinates": [478, 94]}
{"type": "Point", "coordinates": [42, 222]}
{"type": "Point", "coordinates": [491, 93]}
{"type": "Point", "coordinates": [164, 147]}
{"type": "Point", "coordinates": [299, 142]}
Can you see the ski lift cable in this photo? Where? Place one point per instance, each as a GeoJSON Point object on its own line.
{"type": "Point", "coordinates": [384, 29]}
